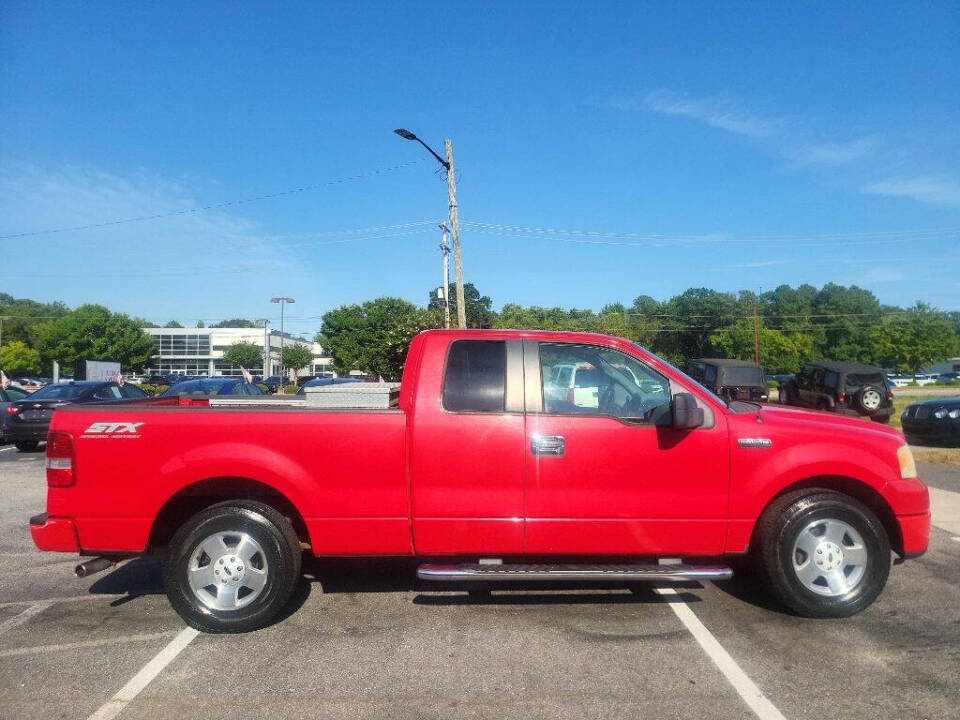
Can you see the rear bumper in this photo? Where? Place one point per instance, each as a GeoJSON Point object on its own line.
{"type": "Point", "coordinates": [916, 534]}
{"type": "Point", "coordinates": [18, 432]}
{"type": "Point", "coordinates": [54, 534]}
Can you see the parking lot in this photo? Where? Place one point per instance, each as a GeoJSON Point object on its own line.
{"type": "Point", "coordinates": [366, 640]}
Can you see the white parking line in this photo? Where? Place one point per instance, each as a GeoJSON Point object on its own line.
{"type": "Point", "coordinates": [22, 617]}
{"type": "Point", "coordinates": [745, 687]}
{"type": "Point", "coordinates": [40, 649]}
{"type": "Point", "coordinates": [71, 598]}
{"type": "Point", "coordinates": [7, 448]}
{"type": "Point", "coordinates": [138, 682]}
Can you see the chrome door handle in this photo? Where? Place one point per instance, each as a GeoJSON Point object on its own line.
{"type": "Point", "coordinates": [547, 444]}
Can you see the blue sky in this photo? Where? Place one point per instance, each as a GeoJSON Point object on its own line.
{"type": "Point", "coordinates": [735, 147]}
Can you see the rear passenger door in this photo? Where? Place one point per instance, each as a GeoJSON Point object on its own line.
{"type": "Point", "coordinates": [467, 448]}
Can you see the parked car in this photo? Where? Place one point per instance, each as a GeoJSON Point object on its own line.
{"type": "Point", "coordinates": [925, 379]}
{"type": "Point", "coordinates": [730, 379]}
{"type": "Point", "coordinates": [476, 461]}
{"type": "Point", "coordinates": [899, 380]}
{"type": "Point", "coordinates": [934, 421]}
{"type": "Point", "coordinates": [848, 388]}
{"type": "Point", "coordinates": [273, 383]}
{"type": "Point", "coordinates": [948, 377]}
{"type": "Point", "coordinates": [32, 383]}
{"type": "Point", "coordinates": [7, 397]}
{"type": "Point", "coordinates": [26, 421]}
{"type": "Point", "coordinates": [213, 386]}
{"type": "Point", "coordinates": [323, 381]}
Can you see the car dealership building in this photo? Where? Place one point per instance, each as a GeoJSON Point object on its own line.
{"type": "Point", "coordinates": [199, 351]}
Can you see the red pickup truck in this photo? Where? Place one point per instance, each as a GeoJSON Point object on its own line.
{"type": "Point", "coordinates": [510, 455]}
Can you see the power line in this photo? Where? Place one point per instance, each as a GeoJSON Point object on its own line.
{"type": "Point", "coordinates": [212, 206]}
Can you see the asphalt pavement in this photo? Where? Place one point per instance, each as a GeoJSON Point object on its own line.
{"type": "Point", "coordinates": [364, 639]}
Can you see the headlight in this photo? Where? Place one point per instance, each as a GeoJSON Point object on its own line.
{"type": "Point", "coordinates": [908, 468]}
{"type": "Point", "coordinates": [940, 413]}
{"type": "Point", "coordinates": [954, 414]}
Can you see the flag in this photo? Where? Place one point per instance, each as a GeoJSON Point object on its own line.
{"type": "Point", "coordinates": [4, 380]}
{"type": "Point", "coordinates": [119, 379]}
{"type": "Point", "coordinates": [247, 377]}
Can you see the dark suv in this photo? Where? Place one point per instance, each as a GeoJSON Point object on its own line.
{"type": "Point", "coordinates": [730, 379]}
{"type": "Point", "coordinates": [845, 387]}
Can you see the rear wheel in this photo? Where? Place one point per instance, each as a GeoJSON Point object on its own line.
{"type": "Point", "coordinates": [824, 554]}
{"type": "Point", "coordinates": [869, 399]}
{"type": "Point", "coordinates": [232, 567]}
{"type": "Point", "coordinates": [26, 445]}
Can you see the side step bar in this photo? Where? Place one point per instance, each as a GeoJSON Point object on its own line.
{"type": "Point", "coordinates": [560, 573]}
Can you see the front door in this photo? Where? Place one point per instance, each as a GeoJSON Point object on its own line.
{"type": "Point", "coordinates": [604, 474]}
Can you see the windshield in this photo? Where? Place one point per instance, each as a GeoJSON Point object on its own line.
{"type": "Point", "coordinates": [62, 392]}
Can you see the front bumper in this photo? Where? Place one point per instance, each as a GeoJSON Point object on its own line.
{"type": "Point", "coordinates": [54, 534]}
{"type": "Point", "coordinates": [940, 431]}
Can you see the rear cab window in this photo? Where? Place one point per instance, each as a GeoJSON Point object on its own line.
{"type": "Point", "coordinates": [475, 377]}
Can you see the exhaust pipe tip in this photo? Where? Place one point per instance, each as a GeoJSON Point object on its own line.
{"type": "Point", "coordinates": [96, 565]}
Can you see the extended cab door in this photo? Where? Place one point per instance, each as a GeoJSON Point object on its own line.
{"type": "Point", "coordinates": [467, 447]}
{"type": "Point", "coordinates": [608, 477]}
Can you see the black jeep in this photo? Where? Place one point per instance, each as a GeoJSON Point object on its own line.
{"type": "Point", "coordinates": [850, 388]}
{"type": "Point", "coordinates": [730, 379]}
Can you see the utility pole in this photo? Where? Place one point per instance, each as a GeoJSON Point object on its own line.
{"type": "Point", "coordinates": [283, 301]}
{"type": "Point", "coordinates": [446, 276]}
{"type": "Point", "coordinates": [266, 347]}
{"type": "Point", "coordinates": [454, 218]}
{"type": "Point", "coordinates": [455, 225]}
{"type": "Point", "coordinates": [756, 334]}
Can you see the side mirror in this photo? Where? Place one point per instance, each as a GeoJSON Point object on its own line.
{"type": "Point", "coordinates": [686, 414]}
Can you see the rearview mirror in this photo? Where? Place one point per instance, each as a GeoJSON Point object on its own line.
{"type": "Point", "coordinates": [686, 414]}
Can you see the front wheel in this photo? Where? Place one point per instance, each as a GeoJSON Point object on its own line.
{"type": "Point", "coordinates": [232, 567]}
{"type": "Point", "coordinates": [26, 445]}
{"type": "Point", "coordinates": [824, 554]}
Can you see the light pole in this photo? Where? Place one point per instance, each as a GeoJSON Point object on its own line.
{"type": "Point", "coordinates": [283, 301]}
{"type": "Point", "coordinates": [454, 217]}
{"type": "Point", "coordinates": [266, 347]}
{"type": "Point", "coordinates": [446, 276]}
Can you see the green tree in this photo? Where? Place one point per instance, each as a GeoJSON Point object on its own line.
{"type": "Point", "coordinates": [245, 354]}
{"type": "Point", "coordinates": [296, 357]}
{"type": "Point", "coordinates": [200, 324]}
{"type": "Point", "coordinates": [914, 339]}
{"type": "Point", "coordinates": [235, 322]}
{"type": "Point", "coordinates": [173, 324]}
{"type": "Point", "coordinates": [93, 332]}
{"type": "Point", "coordinates": [16, 358]}
{"type": "Point", "coordinates": [779, 352]}
{"type": "Point", "coordinates": [477, 307]}
{"type": "Point", "coordinates": [373, 337]}
{"type": "Point", "coordinates": [22, 316]}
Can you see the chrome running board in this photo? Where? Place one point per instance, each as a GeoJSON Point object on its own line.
{"type": "Point", "coordinates": [574, 573]}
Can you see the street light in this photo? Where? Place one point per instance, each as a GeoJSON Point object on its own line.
{"type": "Point", "coordinates": [266, 347]}
{"type": "Point", "coordinates": [454, 217]}
{"type": "Point", "coordinates": [283, 301]}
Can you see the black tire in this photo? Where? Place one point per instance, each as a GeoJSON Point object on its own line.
{"type": "Point", "coordinates": [26, 445]}
{"type": "Point", "coordinates": [777, 531]}
{"type": "Point", "coordinates": [281, 551]}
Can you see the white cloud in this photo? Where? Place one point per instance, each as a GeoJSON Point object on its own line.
{"type": "Point", "coordinates": [881, 274]}
{"type": "Point", "coordinates": [936, 190]}
{"type": "Point", "coordinates": [782, 137]}
{"type": "Point", "coordinates": [721, 114]}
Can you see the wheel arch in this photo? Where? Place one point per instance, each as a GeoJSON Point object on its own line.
{"type": "Point", "coordinates": [852, 487]}
{"type": "Point", "coordinates": [199, 495]}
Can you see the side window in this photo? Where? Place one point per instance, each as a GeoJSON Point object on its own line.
{"type": "Point", "coordinates": [15, 394]}
{"type": "Point", "coordinates": [605, 382]}
{"type": "Point", "coordinates": [110, 392]}
{"type": "Point", "coordinates": [475, 379]}
{"type": "Point", "coordinates": [132, 391]}
{"type": "Point", "coordinates": [816, 381]}
{"type": "Point", "coordinates": [710, 373]}
{"type": "Point", "coordinates": [830, 380]}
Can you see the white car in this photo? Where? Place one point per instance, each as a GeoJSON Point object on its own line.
{"type": "Point", "coordinates": [924, 379]}
{"type": "Point", "coordinates": [899, 381]}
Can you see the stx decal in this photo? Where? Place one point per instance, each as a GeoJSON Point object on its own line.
{"type": "Point", "coordinates": [114, 428]}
